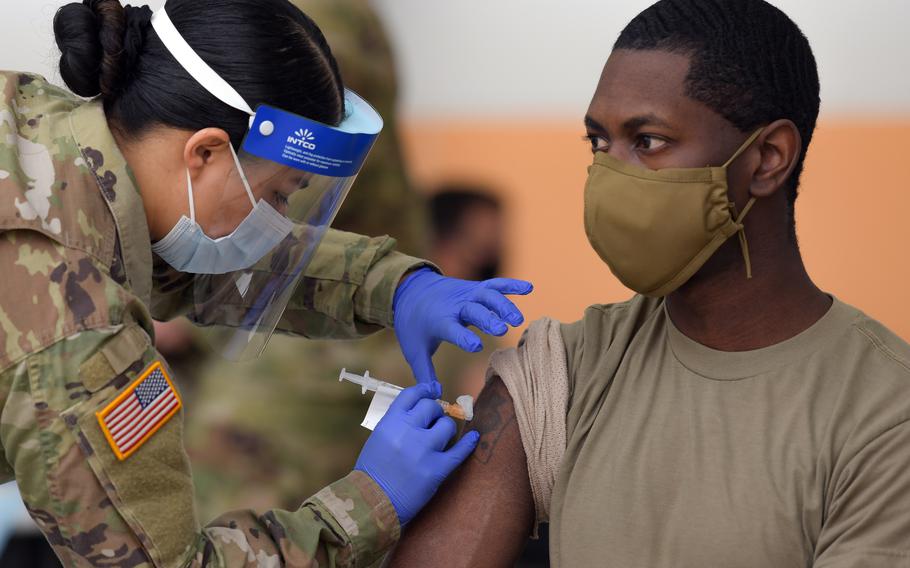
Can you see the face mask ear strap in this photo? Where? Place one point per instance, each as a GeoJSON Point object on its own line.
{"type": "Point", "coordinates": [207, 78]}
{"type": "Point", "coordinates": [189, 194]}
{"type": "Point", "coordinates": [246, 184]}
{"type": "Point", "coordinates": [744, 147]}
{"type": "Point", "coordinates": [743, 243]}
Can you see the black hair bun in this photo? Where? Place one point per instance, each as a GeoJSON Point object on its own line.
{"type": "Point", "coordinates": [99, 43]}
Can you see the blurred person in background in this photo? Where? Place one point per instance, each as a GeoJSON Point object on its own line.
{"type": "Point", "coordinates": [467, 226]}
{"type": "Point", "coordinates": [467, 230]}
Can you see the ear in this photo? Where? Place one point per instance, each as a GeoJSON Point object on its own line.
{"type": "Point", "coordinates": [203, 147]}
{"type": "Point", "coordinates": [779, 145]}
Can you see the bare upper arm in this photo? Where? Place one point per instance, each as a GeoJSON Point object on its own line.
{"type": "Point", "coordinates": [482, 514]}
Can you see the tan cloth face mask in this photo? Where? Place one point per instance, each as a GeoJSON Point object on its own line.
{"type": "Point", "coordinates": [656, 228]}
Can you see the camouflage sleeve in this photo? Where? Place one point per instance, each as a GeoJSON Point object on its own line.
{"type": "Point", "coordinates": [349, 523]}
{"type": "Point", "coordinates": [346, 291]}
{"type": "Point", "coordinates": [92, 426]}
{"type": "Point", "coordinates": [348, 288]}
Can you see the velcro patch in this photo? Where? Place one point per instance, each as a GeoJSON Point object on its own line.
{"type": "Point", "coordinates": [138, 412]}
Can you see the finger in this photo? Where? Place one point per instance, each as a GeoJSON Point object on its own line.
{"type": "Point", "coordinates": [509, 286]}
{"type": "Point", "coordinates": [441, 432]}
{"type": "Point", "coordinates": [409, 397]}
{"type": "Point", "coordinates": [483, 319]}
{"type": "Point", "coordinates": [422, 366]}
{"type": "Point", "coordinates": [454, 332]}
{"type": "Point", "coordinates": [461, 450]}
{"type": "Point", "coordinates": [499, 305]}
{"type": "Point", "coordinates": [426, 412]}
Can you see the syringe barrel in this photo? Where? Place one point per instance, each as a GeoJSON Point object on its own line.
{"type": "Point", "coordinates": [366, 382]}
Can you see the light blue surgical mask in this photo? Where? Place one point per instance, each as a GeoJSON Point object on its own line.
{"type": "Point", "coordinates": [188, 249]}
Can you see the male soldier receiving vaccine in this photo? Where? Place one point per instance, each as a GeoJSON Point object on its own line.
{"type": "Point", "coordinates": [731, 414]}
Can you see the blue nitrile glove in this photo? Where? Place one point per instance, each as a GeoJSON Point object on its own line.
{"type": "Point", "coordinates": [405, 453]}
{"type": "Point", "coordinates": [430, 308]}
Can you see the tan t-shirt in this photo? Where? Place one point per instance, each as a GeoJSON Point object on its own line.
{"type": "Point", "coordinates": [682, 456]}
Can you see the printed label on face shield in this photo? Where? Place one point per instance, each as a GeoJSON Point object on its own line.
{"type": "Point", "coordinates": [307, 145]}
{"type": "Point", "coordinates": [302, 155]}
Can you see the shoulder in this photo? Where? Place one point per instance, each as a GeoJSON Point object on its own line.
{"type": "Point", "coordinates": [32, 94]}
{"type": "Point", "coordinates": [873, 362]}
{"type": "Point", "coordinates": [52, 292]}
{"type": "Point", "coordinates": [47, 183]}
{"type": "Point", "coordinates": [889, 349]}
{"type": "Point", "coordinates": [868, 368]}
{"type": "Point", "coordinates": [604, 324]}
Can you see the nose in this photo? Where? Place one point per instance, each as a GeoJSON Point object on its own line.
{"type": "Point", "coordinates": [622, 153]}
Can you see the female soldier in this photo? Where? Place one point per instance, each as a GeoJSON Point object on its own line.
{"type": "Point", "coordinates": [166, 194]}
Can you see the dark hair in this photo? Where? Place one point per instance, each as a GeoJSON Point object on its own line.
{"type": "Point", "coordinates": [268, 50]}
{"type": "Point", "coordinates": [451, 202]}
{"type": "Point", "coordinates": [750, 63]}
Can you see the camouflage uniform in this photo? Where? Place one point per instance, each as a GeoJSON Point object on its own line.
{"type": "Point", "coordinates": [75, 330]}
{"type": "Point", "coordinates": [255, 427]}
{"type": "Point", "coordinates": [383, 201]}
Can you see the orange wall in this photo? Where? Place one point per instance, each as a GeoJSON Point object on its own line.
{"type": "Point", "coordinates": [853, 216]}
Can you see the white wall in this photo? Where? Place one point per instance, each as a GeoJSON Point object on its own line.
{"type": "Point", "coordinates": [27, 35]}
{"type": "Point", "coordinates": [520, 56]}
{"type": "Point", "coordinates": [515, 57]}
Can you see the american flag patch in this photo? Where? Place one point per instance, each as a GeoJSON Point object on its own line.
{"type": "Point", "coordinates": [140, 411]}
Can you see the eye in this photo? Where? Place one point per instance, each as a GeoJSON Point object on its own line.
{"type": "Point", "coordinates": [280, 200]}
{"type": "Point", "coordinates": [297, 183]}
{"type": "Point", "coordinates": [598, 143]}
{"type": "Point", "coordinates": [649, 143]}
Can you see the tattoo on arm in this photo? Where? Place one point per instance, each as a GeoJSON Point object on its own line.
{"type": "Point", "coordinates": [493, 415]}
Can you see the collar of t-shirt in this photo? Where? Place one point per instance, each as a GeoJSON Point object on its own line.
{"type": "Point", "coordinates": [734, 365]}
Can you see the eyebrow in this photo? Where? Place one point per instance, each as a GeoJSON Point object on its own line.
{"type": "Point", "coordinates": [634, 123]}
{"type": "Point", "coordinates": [649, 119]}
{"type": "Point", "coordinates": [592, 124]}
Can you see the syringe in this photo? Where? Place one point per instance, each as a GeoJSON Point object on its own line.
{"type": "Point", "coordinates": [463, 409]}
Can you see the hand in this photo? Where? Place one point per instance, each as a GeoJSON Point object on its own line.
{"type": "Point", "coordinates": [430, 308]}
{"type": "Point", "coordinates": [405, 453]}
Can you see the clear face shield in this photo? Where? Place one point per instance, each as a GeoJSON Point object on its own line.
{"type": "Point", "coordinates": [298, 172]}
{"type": "Point", "coordinates": [290, 178]}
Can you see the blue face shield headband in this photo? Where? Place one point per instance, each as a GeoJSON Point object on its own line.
{"type": "Point", "coordinates": [290, 177]}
